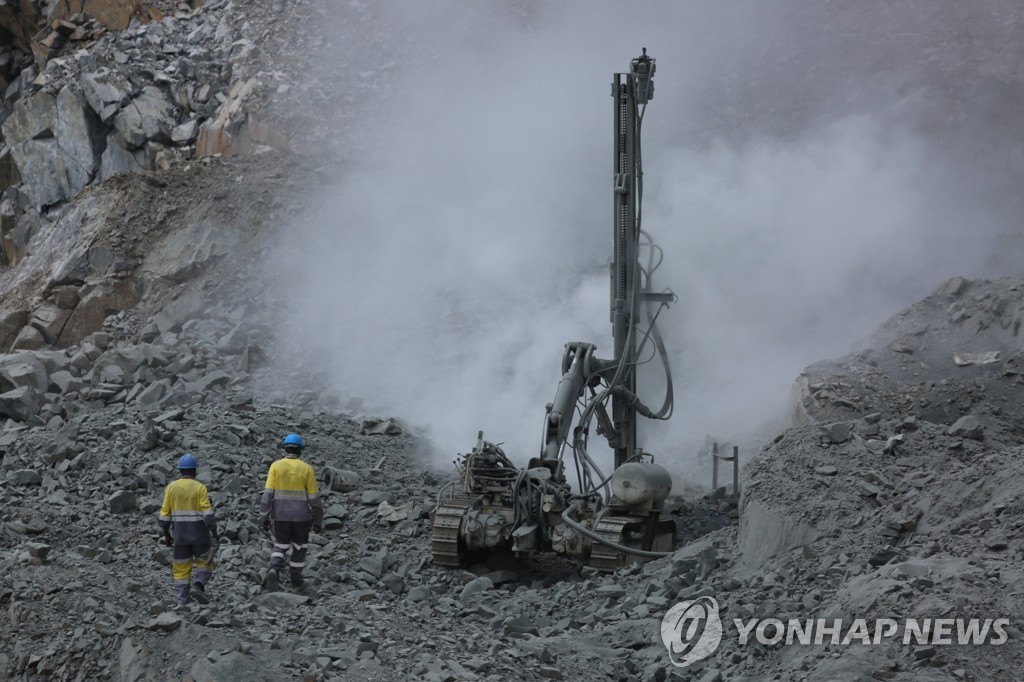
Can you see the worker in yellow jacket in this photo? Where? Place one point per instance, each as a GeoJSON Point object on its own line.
{"type": "Point", "coordinates": [291, 501]}
{"type": "Point", "coordinates": [190, 527]}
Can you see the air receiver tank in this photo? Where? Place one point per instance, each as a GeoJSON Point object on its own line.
{"type": "Point", "coordinates": [640, 486]}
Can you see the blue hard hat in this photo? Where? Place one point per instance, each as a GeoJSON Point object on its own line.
{"type": "Point", "coordinates": [188, 461]}
{"type": "Point", "coordinates": [293, 440]}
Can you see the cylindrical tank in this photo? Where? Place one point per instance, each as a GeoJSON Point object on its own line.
{"type": "Point", "coordinates": [641, 485]}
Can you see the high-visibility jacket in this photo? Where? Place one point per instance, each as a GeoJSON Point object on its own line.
{"type": "Point", "coordinates": [291, 493]}
{"type": "Point", "coordinates": [187, 512]}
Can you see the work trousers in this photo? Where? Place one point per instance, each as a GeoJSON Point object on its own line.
{"type": "Point", "coordinates": [181, 567]}
{"type": "Point", "coordinates": [294, 536]}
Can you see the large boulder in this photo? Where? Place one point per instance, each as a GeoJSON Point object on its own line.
{"type": "Point", "coordinates": [117, 160]}
{"type": "Point", "coordinates": [105, 98]}
{"type": "Point", "coordinates": [10, 324]}
{"type": "Point", "coordinates": [29, 131]}
{"type": "Point", "coordinates": [147, 117]}
{"type": "Point", "coordinates": [29, 338]}
{"type": "Point", "coordinates": [9, 175]}
{"type": "Point", "coordinates": [22, 369]}
{"type": "Point", "coordinates": [49, 320]}
{"type": "Point", "coordinates": [178, 312]}
{"type": "Point", "coordinates": [8, 216]}
{"type": "Point", "coordinates": [14, 240]}
{"type": "Point", "coordinates": [220, 135]}
{"type": "Point", "coordinates": [96, 304]}
{"type": "Point", "coordinates": [56, 142]}
{"type": "Point", "coordinates": [82, 138]}
{"type": "Point", "coordinates": [20, 404]}
{"type": "Point", "coordinates": [118, 365]}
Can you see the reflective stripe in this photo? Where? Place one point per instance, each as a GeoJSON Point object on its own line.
{"type": "Point", "coordinates": [186, 516]}
{"type": "Point", "coordinates": [276, 554]}
{"type": "Point", "coordinates": [280, 546]}
{"type": "Point", "coordinates": [291, 494]}
{"type": "Point", "coordinates": [296, 564]}
{"type": "Point", "coordinates": [164, 518]}
{"type": "Point", "coordinates": [297, 546]}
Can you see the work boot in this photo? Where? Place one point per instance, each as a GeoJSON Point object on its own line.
{"type": "Point", "coordinates": [304, 589]}
{"type": "Point", "coordinates": [273, 582]}
{"type": "Point", "coordinates": [199, 593]}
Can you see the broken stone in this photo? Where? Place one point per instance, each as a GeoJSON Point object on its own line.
{"type": "Point", "coordinates": [418, 593]}
{"type": "Point", "coordinates": [996, 542]}
{"type": "Point", "coordinates": [882, 557]}
{"type": "Point", "coordinates": [967, 426]}
{"type": "Point", "coordinates": [29, 338]}
{"type": "Point", "coordinates": [233, 342]}
{"type": "Point", "coordinates": [150, 436]}
{"type": "Point", "coordinates": [145, 118]}
{"type": "Point", "coordinates": [954, 286]}
{"type": "Point", "coordinates": [868, 489]}
{"type": "Point", "coordinates": [281, 600]}
{"type": "Point", "coordinates": [520, 625]}
{"type": "Point", "coordinates": [56, 143]}
{"type": "Point", "coordinates": [376, 564]}
{"type": "Point", "coordinates": [38, 550]}
{"type": "Point", "coordinates": [20, 404]}
{"type": "Point", "coordinates": [100, 93]}
{"type": "Point", "coordinates": [371, 497]}
{"type": "Point", "coordinates": [165, 622]}
{"type": "Point", "coordinates": [474, 587]}
{"type": "Point", "coordinates": [104, 299]}
{"type": "Point", "coordinates": [153, 393]}
{"type": "Point", "coordinates": [837, 433]}
{"type": "Point", "coordinates": [17, 374]}
{"type": "Point", "coordinates": [186, 132]}
{"type": "Point", "coordinates": [386, 512]}
{"type": "Point", "coordinates": [25, 477]}
{"type": "Point", "coordinates": [968, 359]}
{"type": "Point", "coordinates": [380, 427]}
{"type": "Point", "coordinates": [121, 502]}
{"type": "Point", "coordinates": [11, 324]}
{"type": "Point", "coordinates": [117, 159]}
{"type": "Point", "coordinates": [215, 378]}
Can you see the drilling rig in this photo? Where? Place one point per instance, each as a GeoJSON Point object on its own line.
{"type": "Point", "coordinates": [607, 521]}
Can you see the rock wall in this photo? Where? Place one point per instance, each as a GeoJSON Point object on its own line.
{"type": "Point", "coordinates": [96, 88]}
{"type": "Point", "coordinates": [766, 532]}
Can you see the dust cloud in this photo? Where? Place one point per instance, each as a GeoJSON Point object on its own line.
{"type": "Point", "coordinates": [807, 175]}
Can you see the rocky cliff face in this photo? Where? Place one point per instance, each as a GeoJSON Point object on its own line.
{"type": "Point", "coordinates": [182, 82]}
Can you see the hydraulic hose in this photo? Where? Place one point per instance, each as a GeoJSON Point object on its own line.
{"type": "Point", "coordinates": [614, 545]}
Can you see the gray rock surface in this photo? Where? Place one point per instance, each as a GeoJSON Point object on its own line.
{"type": "Point", "coordinates": [895, 492]}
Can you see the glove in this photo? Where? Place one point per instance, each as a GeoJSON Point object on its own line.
{"type": "Point", "coordinates": [317, 527]}
{"type": "Point", "coordinates": [266, 525]}
{"type": "Point", "coordinates": [168, 540]}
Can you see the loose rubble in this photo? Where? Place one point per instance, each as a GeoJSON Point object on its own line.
{"type": "Point", "coordinates": [131, 331]}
